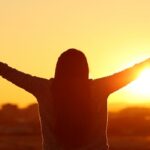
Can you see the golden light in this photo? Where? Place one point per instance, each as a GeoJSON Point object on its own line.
{"type": "Point", "coordinates": [142, 85]}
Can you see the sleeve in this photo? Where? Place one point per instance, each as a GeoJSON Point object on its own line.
{"type": "Point", "coordinates": [118, 80]}
{"type": "Point", "coordinates": [29, 83]}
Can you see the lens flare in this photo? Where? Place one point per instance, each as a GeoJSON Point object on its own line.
{"type": "Point", "coordinates": [142, 85]}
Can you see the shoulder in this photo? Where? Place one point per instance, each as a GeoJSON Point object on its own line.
{"type": "Point", "coordinates": [51, 80]}
{"type": "Point", "coordinates": [97, 83]}
{"type": "Point", "coordinates": [99, 86]}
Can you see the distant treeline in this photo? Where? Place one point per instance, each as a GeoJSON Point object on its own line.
{"type": "Point", "coordinates": [132, 121]}
{"type": "Point", "coordinates": [14, 120]}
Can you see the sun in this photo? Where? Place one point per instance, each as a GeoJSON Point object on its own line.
{"type": "Point", "coordinates": [141, 86]}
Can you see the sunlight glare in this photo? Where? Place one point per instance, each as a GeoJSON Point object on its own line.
{"type": "Point", "coordinates": [142, 85]}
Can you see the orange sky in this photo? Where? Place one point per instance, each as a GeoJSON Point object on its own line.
{"type": "Point", "coordinates": [113, 34]}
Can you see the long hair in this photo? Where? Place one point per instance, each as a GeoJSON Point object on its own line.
{"type": "Point", "coordinates": [72, 64]}
{"type": "Point", "coordinates": [71, 92]}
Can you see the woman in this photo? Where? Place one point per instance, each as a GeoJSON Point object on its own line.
{"type": "Point", "coordinates": [72, 107]}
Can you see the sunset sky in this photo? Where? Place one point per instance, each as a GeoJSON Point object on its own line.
{"type": "Point", "coordinates": [114, 34]}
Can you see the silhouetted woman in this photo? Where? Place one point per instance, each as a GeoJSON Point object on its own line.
{"type": "Point", "coordinates": [72, 107]}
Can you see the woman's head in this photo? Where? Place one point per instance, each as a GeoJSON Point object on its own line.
{"type": "Point", "coordinates": [72, 64]}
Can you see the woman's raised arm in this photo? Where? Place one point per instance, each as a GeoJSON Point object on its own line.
{"type": "Point", "coordinates": [30, 83]}
{"type": "Point", "coordinates": [118, 80]}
